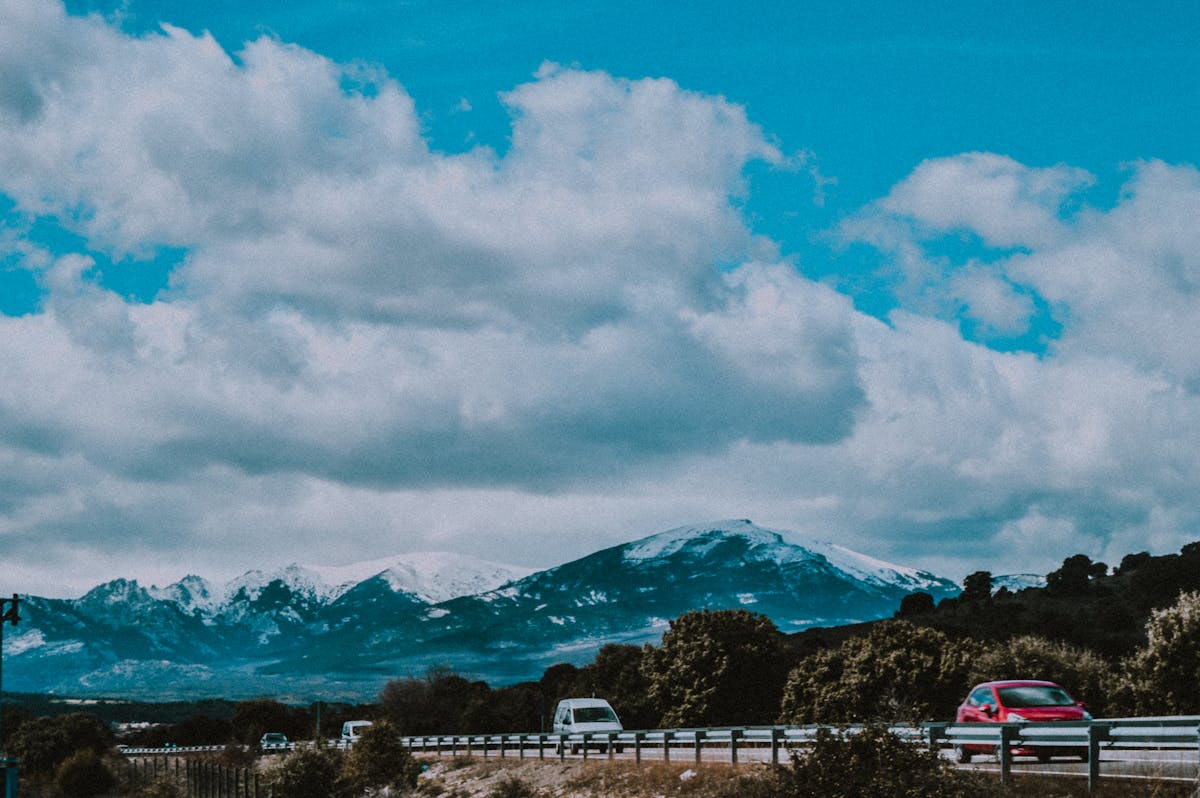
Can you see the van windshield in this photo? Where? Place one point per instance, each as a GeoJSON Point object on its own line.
{"type": "Point", "coordinates": [594, 715]}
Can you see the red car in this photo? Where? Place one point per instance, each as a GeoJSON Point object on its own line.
{"type": "Point", "coordinates": [1016, 701]}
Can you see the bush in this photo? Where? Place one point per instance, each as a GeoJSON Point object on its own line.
{"type": "Point", "coordinates": [379, 759]}
{"type": "Point", "coordinates": [1085, 675]}
{"type": "Point", "coordinates": [512, 787]}
{"type": "Point", "coordinates": [45, 743]}
{"type": "Point", "coordinates": [899, 672]}
{"type": "Point", "coordinates": [716, 668]}
{"type": "Point", "coordinates": [84, 775]}
{"type": "Point", "coordinates": [1161, 678]}
{"type": "Point", "coordinates": [875, 762]}
{"type": "Point", "coordinates": [309, 773]}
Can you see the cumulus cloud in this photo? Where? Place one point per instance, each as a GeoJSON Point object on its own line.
{"type": "Point", "coordinates": [567, 344]}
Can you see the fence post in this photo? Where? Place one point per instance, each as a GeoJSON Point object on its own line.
{"type": "Point", "coordinates": [667, 746]}
{"type": "Point", "coordinates": [637, 747]}
{"type": "Point", "coordinates": [936, 732]}
{"type": "Point", "coordinates": [611, 744]}
{"type": "Point", "coordinates": [1004, 753]}
{"type": "Point", "coordinates": [733, 748]}
{"type": "Point", "coordinates": [775, 735]}
{"type": "Point", "coordinates": [698, 742]}
{"type": "Point", "coordinates": [501, 746]}
{"type": "Point", "coordinates": [1096, 733]}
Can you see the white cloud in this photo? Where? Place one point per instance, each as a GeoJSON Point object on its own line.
{"type": "Point", "coordinates": [371, 347]}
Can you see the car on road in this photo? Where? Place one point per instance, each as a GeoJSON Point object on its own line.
{"type": "Point", "coordinates": [272, 740]}
{"type": "Point", "coordinates": [1017, 701]}
{"type": "Point", "coordinates": [353, 729]}
{"type": "Point", "coordinates": [585, 716]}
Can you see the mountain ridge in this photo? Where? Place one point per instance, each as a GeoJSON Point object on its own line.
{"type": "Point", "coordinates": [292, 631]}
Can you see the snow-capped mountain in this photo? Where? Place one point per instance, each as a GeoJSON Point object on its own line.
{"type": "Point", "coordinates": [344, 631]}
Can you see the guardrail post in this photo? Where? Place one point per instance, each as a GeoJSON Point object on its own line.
{"type": "Point", "coordinates": [1004, 753]}
{"type": "Point", "coordinates": [733, 748]}
{"type": "Point", "coordinates": [562, 748]}
{"type": "Point", "coordinates": [698, 742]}
{"type": "Point", "coordinates": [667, 746]}
{"type": "Point", "coordinates": [611, 744]}
{"type": "Point", "coordinates": [1096, 733]}
{"type": "Point", "coordinates": [936, 732]}
{"type": "Point", "coordinates": [775, 735]}
{"type": "Point", "coordinates": [637, 746]}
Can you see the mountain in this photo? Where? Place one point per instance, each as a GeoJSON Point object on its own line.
{"type": "Point", "coordinates": [343, 632]}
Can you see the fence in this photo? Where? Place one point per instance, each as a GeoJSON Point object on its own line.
{"type": "Point", "coordinates": [198, 777]}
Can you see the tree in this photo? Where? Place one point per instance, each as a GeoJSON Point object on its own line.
{"type": "Point", "coordinates": [616, 674]}
{"type": "Point", "coordinates": [380, 759]}
{"type": "Point", "coordinates": [977, 587]}
{"type": "Point", "coordinates": [1163, 675]}
{"type": "Point", "coordinates": [43, 744]}
{"type": "Point", "coordinates": [898, 672]}
{"type": "Point", "coordinates": [251, 719]}
{"type": "Point", "coordinates": [915, 604]}
{"type": "Point", "coordinates": [1085, 674]}
{"type": "Point", "coordinates": [1075, 575]}
{"type": "Point", "coordinates": [716, 668]}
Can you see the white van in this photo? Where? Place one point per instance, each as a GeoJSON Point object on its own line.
{"type": "Point", "coordinates": [585, 716]}
{"type": "Point", "coordinates": [353, 729]}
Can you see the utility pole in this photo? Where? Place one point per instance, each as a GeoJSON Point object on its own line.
{"type": "Point", "coordinates": [9, 766]}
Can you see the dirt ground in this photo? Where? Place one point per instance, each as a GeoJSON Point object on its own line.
{"type": "Point", "coordinates": [531, 778]}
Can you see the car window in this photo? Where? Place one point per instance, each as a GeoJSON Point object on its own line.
{"type": "Point", "coordinates": [980, 696]}
{"type": "Point", "coordinates": [1035, 696]}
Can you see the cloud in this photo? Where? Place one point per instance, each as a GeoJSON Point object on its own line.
{"type": "Point", "coordinates": [369, 346]}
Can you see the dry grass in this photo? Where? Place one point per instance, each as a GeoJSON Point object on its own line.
{"type": "Point", "coordinates": [477, 778]}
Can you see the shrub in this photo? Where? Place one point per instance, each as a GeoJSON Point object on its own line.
{"type": "Point", "coordinates": [309, 773]}
{"type": "Point", "coordinates": [512, 787]}
{"type": "Point", "coordinates": [380, 759]}
{"type": "Point", "coordinates": [716, 668]}
{"type": "Point", "coordinates": [1162, 676]}
{"type": "Point", "coordinates": [84, 775]}
{"type": "Point", "coordinates": [899, 672]}
{"type": "Point", "coordinates": [875, 762]}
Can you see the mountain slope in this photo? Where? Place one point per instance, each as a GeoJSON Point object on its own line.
{"type": "Point", "coordinates": [309, 632]}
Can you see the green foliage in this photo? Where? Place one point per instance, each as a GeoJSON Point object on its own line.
{"type": "Point", "coordinates": [44, 743]}
{"type": "Point", "coordinates": [1075, 576]}
{"type": "Point", "coordinates": [898, 672]}
{"type": "Point", "coordinates": [312, 772]}
{"type": "Point", "coordinates": [442, 702]}
{"type": "Point", "coordinates": [915, 604]}
{"type": "Point", "coordinates": [1162, 677]}
{"type": "Point", "coordinates": [874, 762]}
{"type": "Point", "coordinates": [977, 587]}
{"type": "Point", "coordinates": [379, 759]}
{"type": "Point", "coordinates": [716, 668]}
{"type": "Point", "coordinates": [616, 674]}
{"type": "Point", "coordinates": [84, 775]}
{"type": "Point", "coordinates": [1086, 676]}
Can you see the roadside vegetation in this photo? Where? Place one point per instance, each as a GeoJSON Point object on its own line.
{"type": "Point", "coordinates": [1127, 642]}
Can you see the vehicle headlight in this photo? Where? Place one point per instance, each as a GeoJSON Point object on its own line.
{"type": "Point", "coordinates": [1015, 716]}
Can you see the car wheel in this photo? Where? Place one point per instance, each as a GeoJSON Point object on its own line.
{"type": "Point", "coordinates": [961, 755]}
{"type": "Point", "coordinates": [574, 749]}
{"type": "Point", "coordinates": [620, 749]}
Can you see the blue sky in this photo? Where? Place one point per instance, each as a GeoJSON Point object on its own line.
{"type": "Point", "coordinates": [323, 282]}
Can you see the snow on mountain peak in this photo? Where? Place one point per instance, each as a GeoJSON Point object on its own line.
{"type": "Point", "coordinates": [433, 576]}
{"type": "Point", "coordinates": [782, 547]}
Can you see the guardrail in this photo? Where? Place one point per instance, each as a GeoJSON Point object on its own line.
{"type": "Point", "coordinates": [1085, 739]}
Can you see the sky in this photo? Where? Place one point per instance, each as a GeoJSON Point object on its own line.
{"type": "Point", "coordinates": [323, 282]}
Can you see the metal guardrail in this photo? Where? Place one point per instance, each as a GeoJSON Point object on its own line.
{"type": "Point", "coordinates": [1087, 738]}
